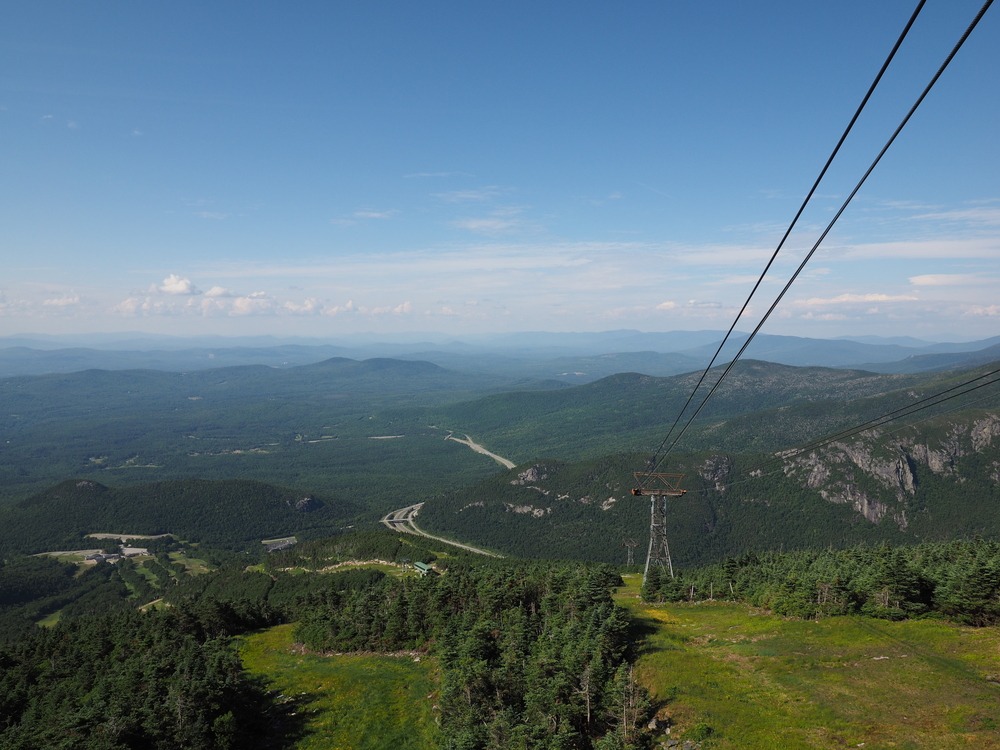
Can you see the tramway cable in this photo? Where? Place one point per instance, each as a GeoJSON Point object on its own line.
{"type": "Point", "coordinates": [880, 421]}
{"type": "Point", "coordinates": [904, 411]}
{"type": "Point", "coordinates": [657, 461]}
{"type": "Point", "coordinates": [791, 227]}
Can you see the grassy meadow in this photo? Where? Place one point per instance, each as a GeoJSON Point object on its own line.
{"type": "Point", "coordinates": [349, 702]}
{"type": "Point", "coordinates": [738, 678]}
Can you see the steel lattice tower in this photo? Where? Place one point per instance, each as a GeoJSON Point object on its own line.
{"type": "Point", "coordinates": [630, 545]}
{"type": "Point", "coordinates": [659, 549]}
{"type": "Point", "coordinates": [666, 486]}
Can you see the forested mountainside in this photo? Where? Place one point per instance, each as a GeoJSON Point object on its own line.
{"type": "Point", "coordinates": [759, 407]}
{"type": "Point", "coordinates": [526, 654]}
{"type": "Point", "coordinates": [376, 431]}
{"type": "Point", "coordinates": [231, 514]}
{"type": "Point", "coordinates": [521, 654]}
{"type": "Point", "coordinates": [932, 481]}
{"type": "Point", "coordinates": [320, 427]}
{"type": "Point", "coordinates": [128, 680]}
{"type": "Point", "coordinates": [749, 488]}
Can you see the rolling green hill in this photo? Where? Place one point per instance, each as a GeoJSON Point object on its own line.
{"type": "Point", "coordinates": [759, 407]}
{"type": "Point", "coordinates": [322, 426]}
{"type": "Point", "coordinates": [372, 434]}
{"type": "Point", "coordinates": [932, 481]}
{"type": "Point", "coordinates": [235, 514]}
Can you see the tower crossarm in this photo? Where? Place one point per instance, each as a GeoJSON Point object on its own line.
{"type": "Point", "coordinates": [658, 483]}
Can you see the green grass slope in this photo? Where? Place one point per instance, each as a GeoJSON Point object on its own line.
{"type": "Point", "coordinates": [743, 679]}
{"type": "Point", "coordinates": [348, 702]}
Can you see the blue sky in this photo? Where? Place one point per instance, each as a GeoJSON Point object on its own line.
{"type": "Point", "coordinates": [319, 169]}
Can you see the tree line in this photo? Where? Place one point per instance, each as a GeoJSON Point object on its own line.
{"type": "Point", "coordinates": [959, 580]}
{"type": "Point", "coordinates": [531, 655]}
{"type": "Point", "coordinates": [157, 680]}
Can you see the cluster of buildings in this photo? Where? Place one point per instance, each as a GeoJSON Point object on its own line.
{"type": "Point", "coordinates": [113, 557]}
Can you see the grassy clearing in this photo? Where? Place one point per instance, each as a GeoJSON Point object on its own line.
{"type": "Point", "coordinates": [350, 702]}
{"type": "Point", "coordinates": [747, 679]}
{"type": "Point", "coordinates": [193, 565]}
{"type": "Point", "coordinates": [50, 621]}
{"type": "Point", "coordinates": [392, 569]}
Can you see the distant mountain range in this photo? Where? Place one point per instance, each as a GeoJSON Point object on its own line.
{"type": "Point", "coordinates": [147, 449]}
{"type": "Point", "coordinates": [568, 357]}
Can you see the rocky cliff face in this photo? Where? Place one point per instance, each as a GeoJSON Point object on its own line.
{"type": "Point", "coordinates": [844, 472]}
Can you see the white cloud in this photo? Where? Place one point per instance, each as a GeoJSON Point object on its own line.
{"type": "Point", "coordinates": [485, 225]}
{"type": "Point", "coordinates": [128, 306]}
{"type": "Point", "coordinates": [255, 303]}
{"type": "Point", "coordinates": [950, 279]}
{"type": "Point", "coordinates": [68, 301]}
{"type": "Point", "coordinates": [335, 310]}
{"type": "Point", "coordinates": [823, 316]}
{"type": "Point", "coordinates": [983, 311]}
{"type": "Point", "coordinates": [308, 306]}
{"type": "Point", "coordinates": [374, 215]}
{"type": "Point", "coordinates": [175, 284]}
{"type": "Point", "coordinates": [404, 308]}
{"type": "Point", "coordinates": [212, 215]}
{"type": "Point", "coordinates": [218, 291]}
{"type": "Point", "coordinates": [944, 249]}
{"type": "Point", "coordinates": [854, 299]}
{"type": "Point", "coordinates": [363, 215]}
{"type": "Point", "coordinates": [476, 195]}
{"type": "Point", "coordinates": [668, 305]}
{"type": "Point", "coordinates": [143, 306]}
{"type": "Point", "coordinates": [983, 215]}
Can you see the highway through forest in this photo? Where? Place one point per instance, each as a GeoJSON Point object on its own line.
{"type": "Point", "coordinates": [402, 520]}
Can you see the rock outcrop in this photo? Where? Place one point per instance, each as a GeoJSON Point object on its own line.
{"type": "Point", "coordinates": [842, 470]}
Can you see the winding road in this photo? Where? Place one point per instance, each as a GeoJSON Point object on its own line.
{"type": "Point", "coordinates": [402, 520]}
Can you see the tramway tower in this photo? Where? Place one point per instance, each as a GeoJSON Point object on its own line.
{"type": "Point", "coordinates": [658, 486]}
{"type": "Point", "coordinates": [630, 545]}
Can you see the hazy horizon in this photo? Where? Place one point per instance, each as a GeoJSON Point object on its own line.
{"type": "Point", "coordinates": [410, 337]}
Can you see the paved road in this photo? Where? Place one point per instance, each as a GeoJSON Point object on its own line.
{"type": "Point", "coordinates": [402, 520]}
{"type": "Point", "coordinates": [480, 449]}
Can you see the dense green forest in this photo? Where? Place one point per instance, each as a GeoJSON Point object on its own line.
{"type": "Point", "coordinates": [529, 652]}
{"type": "Point", "coordinates": [532, 655]}
{"type": "Point", "coordinates": [234, 514]}
{"type": "Point", "coordinates": [957, 579]}
{"type": "Point", "coordinates": [322, 426]}
{"type": "Point", "coordinates": [761, 407]}
{"type": "Point", "coordinates": [374, 432]}
{"type": "Point", "coordinates": [735, 502]}
{"type": "Point", "coordinates": [128, 680]}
